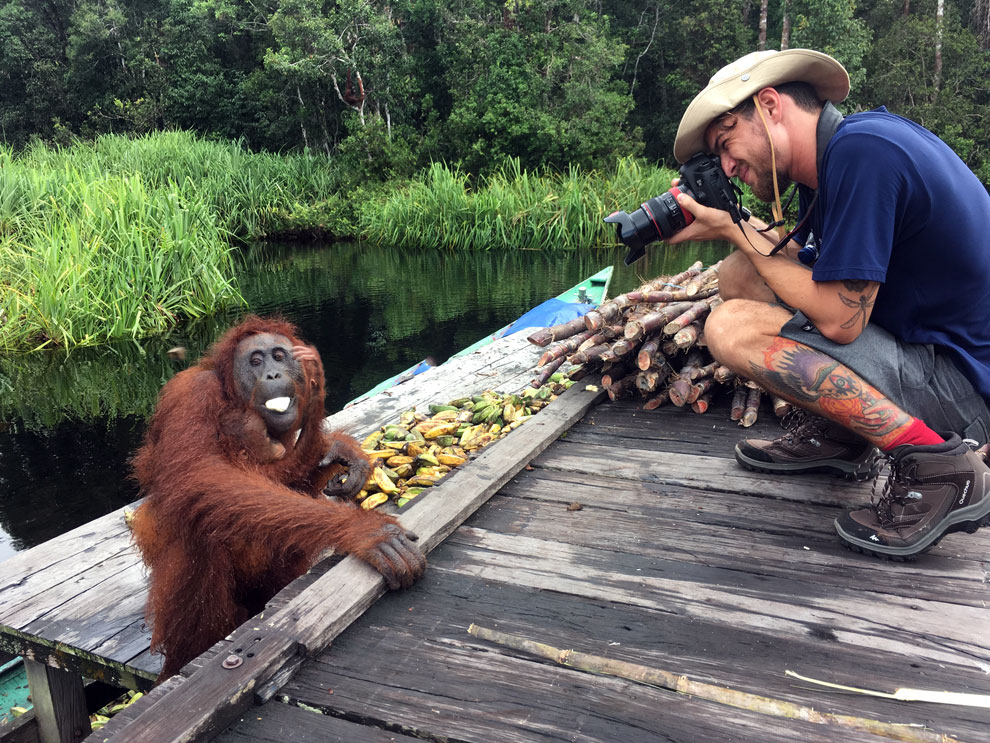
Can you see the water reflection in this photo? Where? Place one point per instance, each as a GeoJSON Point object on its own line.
{"type": "Point", "coordinates": [71, 421]}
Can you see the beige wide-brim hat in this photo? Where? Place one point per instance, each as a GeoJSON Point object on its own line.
{"type": "Point", "coordinates": [738, 80]}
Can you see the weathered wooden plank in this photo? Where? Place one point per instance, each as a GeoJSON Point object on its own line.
{"type": "Point", "coordinates": [913, 628]}
{"type": "Point", "coordinates": [626, 415]}
{"type": "Point", "coordinates": [711, 441]}
{"type": "Point", "coordinates": [146, 663]}
{"type": "Point", "coordinates": [504, 365]}
{"type": "Point", "coordinates": [94, 618]}
{"type": "Point", "coordinates": [89, 665]}
{"type": "Point", "coordinates": [450, 689]}
{"type": "Point", "coordinates": [720, 475]}
{"type": "Point", "coordinates": [81, 545]}
{"type": "Point", "coordinates": [334, 601]}
{"type": "Point", "coordinates": [198, 707]}
{"type": "Point", "coordinates": [35, 607]}
{"type": "Point", "coordinates": [46, 575]}
{"type": "Point", "coordinates": [715, 474]}
{"type": "Point", "coordinates": [277, 723]}
{"type": "Point", "coordinates": [687, 525]}
{"type": "Point", "coordinates": [435, 614]}
{"type": "Point", "coordinates": [23, 729]}
{"type": "Point", "coordinates": [624, 424]}
{"type": "Point", "coordinates": [59, 703]}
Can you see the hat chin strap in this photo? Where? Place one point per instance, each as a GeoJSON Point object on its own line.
{"type": "Point", "coordinates": [778, 212]}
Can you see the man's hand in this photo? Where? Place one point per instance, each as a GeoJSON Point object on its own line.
{"type": "Point", "coordinates": [708, 224]}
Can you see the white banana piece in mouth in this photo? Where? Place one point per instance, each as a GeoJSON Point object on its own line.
{"type": "Point", "coordinates": [278, 404]}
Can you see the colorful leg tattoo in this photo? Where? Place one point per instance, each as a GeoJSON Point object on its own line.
{"type": "Point", "coordinates": [822, 385]}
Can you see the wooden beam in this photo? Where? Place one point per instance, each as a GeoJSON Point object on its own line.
{"type": "Point", "coordinates": [59, 703]}
{"type": "Point", "coordinates": [23, 729]}
{"type": "Point", "coordinates": [198, 707]}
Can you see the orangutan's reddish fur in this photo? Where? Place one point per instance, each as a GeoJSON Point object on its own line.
{"type": "Point", "coordinates": [226, 523]}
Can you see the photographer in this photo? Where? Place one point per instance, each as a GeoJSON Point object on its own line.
{"type": "Point", "coordinates": [873, 315]}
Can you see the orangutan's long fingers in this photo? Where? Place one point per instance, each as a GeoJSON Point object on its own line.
{"type": "Point", "coordinates": [304, 353]}
{"type": "Point", "coordinates": [386, 561]}
{"type": "Point", "coordinates": [413, 561]}
{"type": "Point", "coordinates": [358, 472]}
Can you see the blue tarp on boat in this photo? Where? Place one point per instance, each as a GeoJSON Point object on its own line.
{"type": "Point", "coordinates": [552, 312]}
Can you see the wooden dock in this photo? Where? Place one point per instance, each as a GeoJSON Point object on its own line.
{"type": "Point", "coordinates": [677, 559]}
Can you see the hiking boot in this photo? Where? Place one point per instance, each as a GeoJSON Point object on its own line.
{"type": "Point", "coordinates": [811, 444]}
{"type": "Point", "coordinates": [931, 491]}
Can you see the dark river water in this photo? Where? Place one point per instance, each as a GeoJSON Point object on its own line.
{"type": "Point", "coordinates": [70, 422]}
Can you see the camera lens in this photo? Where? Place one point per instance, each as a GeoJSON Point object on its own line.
{"type": "Point", "coordinates": [657, 219]}
{"type": "Point", "coordinates": [666, 213]}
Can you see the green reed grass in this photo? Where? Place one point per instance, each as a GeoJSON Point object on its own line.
{"type": "Point", "coordinates": [511, 209]}
{"type": "Point", "coordinates": [124, 237]}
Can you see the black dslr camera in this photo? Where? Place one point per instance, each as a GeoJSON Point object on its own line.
{"type": "Point", "coordinates": [702, 178]}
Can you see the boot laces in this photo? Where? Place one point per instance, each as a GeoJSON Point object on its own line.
{"type": "Point", "coordinates": [890, 495]}
{"type": "Point", "coordinates": [800, 425]}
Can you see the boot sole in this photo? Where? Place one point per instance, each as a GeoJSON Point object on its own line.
{"type": "Point", "coordinates": [853, 471]}
{"type": "Point", "coordinates": [964, 522]}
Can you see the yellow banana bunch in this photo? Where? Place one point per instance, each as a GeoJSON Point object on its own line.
{"type": "Point", "coordinates": [418, 450]}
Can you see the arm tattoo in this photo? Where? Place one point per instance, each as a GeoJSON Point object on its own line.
{"type": "Point", "coordinates": [822, 385]}
{"type": "Point", "coordinates": [863, 305]}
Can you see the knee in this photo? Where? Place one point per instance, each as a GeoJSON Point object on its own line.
{"type": "Point", "coordinates": [722, 330]}
{"type": "Point", "coordinates": [739, 279]}
{"type": "Point", "coordinates": [738, 330]}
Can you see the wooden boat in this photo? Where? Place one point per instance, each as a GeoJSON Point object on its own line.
{"type": "Point", "coordinates": [13, 686]}
{"type": "Point", "coordinates": [591, 292]}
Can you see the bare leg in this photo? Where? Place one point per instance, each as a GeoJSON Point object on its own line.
{"type": "Point", "coordinates": [745, 336]}
{"type": "Point", "coordinates": [738, 279]}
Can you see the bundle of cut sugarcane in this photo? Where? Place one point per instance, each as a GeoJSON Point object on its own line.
{"type": "Point", "coordinates": [415, 452]}
{"type": "Point", "coordinates": [650, 342]}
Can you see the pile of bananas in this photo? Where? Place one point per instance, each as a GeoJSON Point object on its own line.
{"type": "Point", "coordinates": [415, 452]}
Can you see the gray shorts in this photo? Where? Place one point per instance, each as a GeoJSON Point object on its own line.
{"type": "Point", "coordinates": [922, 379]}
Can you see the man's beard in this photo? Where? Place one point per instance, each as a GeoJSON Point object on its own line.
{"type": "Point", "coordinates": [763, 186]}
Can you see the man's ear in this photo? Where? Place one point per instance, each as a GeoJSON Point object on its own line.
{"type": "Point", "coordinates": [769, 100]}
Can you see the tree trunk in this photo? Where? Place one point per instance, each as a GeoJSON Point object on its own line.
{"type": "Point", "coordinates": [323, 125]}
{"type": "Point", "coordinates": [785, 29]}
{"type": "Point", "coordinates": [980, 18]}
{"type": "Point", "coordinates": [302, 110]}
{"type": "Point", "coordinates": [939, 23]}
{"type": "Point", "coordinates": [906, 9]}
{"type": "Point", "coordinates": [653, 34]}
{"type": "Point", "coordinates": [762, 43]}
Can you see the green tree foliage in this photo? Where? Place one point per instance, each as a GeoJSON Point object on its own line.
{"type": "Point", "coordinates": [673, 51]}
{"type": "Point", "coordinates": [830, 26]}
{"type": "Point", "coordinates": [386, 88]}
{"type": "Point", "coordinates": [957, 109]}
{"type": "Point", "coordinates": [537, 81]}
{"type": "Point", "coordinates": [33, 62]}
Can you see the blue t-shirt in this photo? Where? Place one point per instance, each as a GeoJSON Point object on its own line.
{"type": "Point", "coordinates": [896, 205]}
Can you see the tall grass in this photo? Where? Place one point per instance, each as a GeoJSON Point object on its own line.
{"type": "Point", "coordinates": [125, 237]}
{"type": "Point", "coordinates": [513, 208]}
